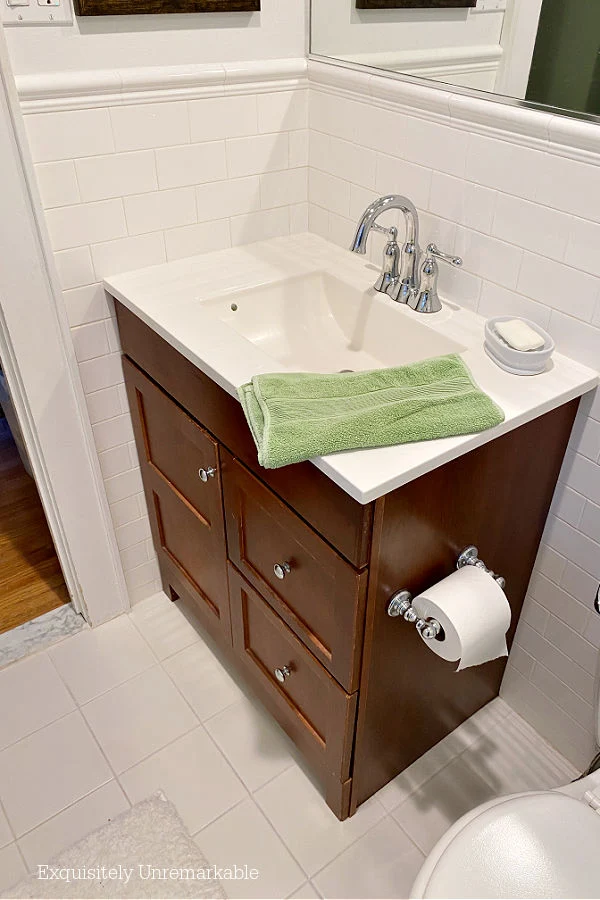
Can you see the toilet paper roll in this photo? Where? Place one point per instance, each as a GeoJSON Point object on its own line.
{"type": "Point", "coordinates": [474, 613]}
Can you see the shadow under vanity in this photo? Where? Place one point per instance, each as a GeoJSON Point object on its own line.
{"type": "Point", "coordinates": [292, 576]}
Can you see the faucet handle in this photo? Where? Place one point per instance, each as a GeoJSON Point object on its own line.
{"type": "Point", "coordinates": [389, 276]}
{"type": "Point", "coordinates": [392, 231]}
{"type": "Point", "coordinates": [432, 250]}
{"type": "Point", "coordinates": [426, 299]}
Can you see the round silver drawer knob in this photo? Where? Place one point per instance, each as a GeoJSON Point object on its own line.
{"type": "Point", "coordinates": [282, 673]}
{"type": "Point", "coordinates": [281, 570]}
{"type": "Point", "coordinates": [205, 474]}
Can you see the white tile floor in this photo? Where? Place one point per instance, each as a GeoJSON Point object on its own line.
{"type": "Point", "coordinates": [108, 716]}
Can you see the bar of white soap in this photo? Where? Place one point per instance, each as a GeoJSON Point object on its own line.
{"type": "Point", "coordinates": [519, 335]}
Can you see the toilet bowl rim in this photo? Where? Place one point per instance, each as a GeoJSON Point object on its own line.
{"type": "Point", "coordinates": [431, 861]}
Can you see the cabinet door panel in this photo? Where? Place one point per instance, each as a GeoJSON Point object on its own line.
{"type": "Point", "coordinates": [173, 444]}
{"type": "Point", "coordinates": [186, 513]}
{"type": "Point", "coordinates": [321, 597]}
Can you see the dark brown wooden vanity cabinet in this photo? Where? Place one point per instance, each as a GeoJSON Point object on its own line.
{"type": "Point", "coordinates": [293, 577]}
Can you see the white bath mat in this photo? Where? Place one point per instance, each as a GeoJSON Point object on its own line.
{"type": "Point", "coordinates": [145, 852]}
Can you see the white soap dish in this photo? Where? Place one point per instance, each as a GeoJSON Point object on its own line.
{"type": "Point", "coordinates": [517, 362]}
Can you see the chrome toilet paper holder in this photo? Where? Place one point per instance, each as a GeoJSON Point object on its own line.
{"type": "Point", "coordinates": [469, 557]}
{"type": "Point", "coordinates": [400, 603]}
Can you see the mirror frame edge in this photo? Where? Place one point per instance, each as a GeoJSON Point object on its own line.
{"type": "Point", "coordinates": [498, 99]}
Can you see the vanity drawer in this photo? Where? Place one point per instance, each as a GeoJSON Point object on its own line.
{"type": "Point", "coordinates": [317, 593]}
{"type": "Point", "coordinates": [307, 702]}
{"type": "Point", "coordinates": [331, 511]}
{"type": "Point", "coordinates": [175, 447]}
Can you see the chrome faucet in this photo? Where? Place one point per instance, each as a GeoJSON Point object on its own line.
{"type": "Point", "coordinates": [402, 277]}
{"type": "Point", "coordinates": [399, 273]}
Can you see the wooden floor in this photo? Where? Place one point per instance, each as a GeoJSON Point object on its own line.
{"type": "Point", "coordinates": [31, 582]}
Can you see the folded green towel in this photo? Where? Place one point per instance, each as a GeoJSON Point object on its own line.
{"type": "Point", "coordinates": [295, 416]}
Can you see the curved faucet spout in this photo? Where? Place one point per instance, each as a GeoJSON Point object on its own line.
{"type": "Point", "coordinates": [372, 212]}
{"type": "Point", "coordinates": [405, 285]}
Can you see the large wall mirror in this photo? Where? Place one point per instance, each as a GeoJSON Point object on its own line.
{"type": "Point", "coordinates": [541, 51]}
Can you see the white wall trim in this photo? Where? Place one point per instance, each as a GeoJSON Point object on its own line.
{"type": "Point", "coordinates": [561, 135]}
{"type": "Point", "coordinates": [55, 91]}
{"type": "Point", "coordinates": [436, 62]}
{"type": "Point", "coordinates": [43, 378]}
{"type": "Point", "coordinates": [518, 39]}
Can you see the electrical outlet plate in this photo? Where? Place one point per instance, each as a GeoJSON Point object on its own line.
{"type": "Point", "coordinates": [36, 12]}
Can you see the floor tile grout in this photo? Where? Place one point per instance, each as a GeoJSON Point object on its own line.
{"type": "Point", "coordinates": [10, 825]}
{"type": "Point", "coordinates": [359, 838]}
{"type": "Point", "coordinates": [64, 809]}
{"type": "Point", "coordinates": [30, 734]}
{"type": "Point", "coordinates": [69, 806]}
{"type": "Point", "coordinates": [282, 839]}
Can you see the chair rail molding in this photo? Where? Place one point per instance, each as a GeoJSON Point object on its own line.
{"type": "Point", "coordinates": [55, 91]}
{"type": "Point", "coordinates": [439, 63]}
{"type": "Point", "coordinates": [574, 138]}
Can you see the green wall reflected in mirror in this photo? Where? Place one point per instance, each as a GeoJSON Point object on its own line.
{"type": "Point", "coordinates": [565, 69]}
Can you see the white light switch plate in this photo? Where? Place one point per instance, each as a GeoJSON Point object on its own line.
{"type": "Point", "coordinates": [36, 12]}
{"type": "Point", "coordinates": [490, 6]}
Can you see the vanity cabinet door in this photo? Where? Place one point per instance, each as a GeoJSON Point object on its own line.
{"type": "Point", "coordinates": [180, 470]}
{"type": "Point", "coordinates": [307, 702]}
{"type": "Point", "coordinates": [316, 592]}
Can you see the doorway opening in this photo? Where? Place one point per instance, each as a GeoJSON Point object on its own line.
{"type": "Point", "coordinates": [31, 578]}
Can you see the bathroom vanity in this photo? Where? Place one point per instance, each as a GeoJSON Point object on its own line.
{"type": "Point", "coordinates": [291, 570]}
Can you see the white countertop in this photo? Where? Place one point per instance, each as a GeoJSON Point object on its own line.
{"type": "Point", "coordinates": [169, 297]}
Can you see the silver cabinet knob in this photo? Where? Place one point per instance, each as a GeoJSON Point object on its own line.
{"type": "Point", "coordinates": [281, 570]}
{"type": "Point", "coordinates": [205, 474]}
{"type": "Point", "coordinates": [282, 673]}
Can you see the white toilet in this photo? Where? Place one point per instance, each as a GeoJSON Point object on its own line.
{"type": "Point", "coordinates": [536, 844]}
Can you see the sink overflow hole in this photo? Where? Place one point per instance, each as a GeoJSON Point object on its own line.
{"type": "Point", "coordinates": [344, 371]}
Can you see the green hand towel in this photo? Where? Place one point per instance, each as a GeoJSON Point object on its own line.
{"type": "Point", "coordinates": [295, 416]}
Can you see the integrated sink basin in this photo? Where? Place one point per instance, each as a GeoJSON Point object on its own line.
{"type": "Point", "coordinates": [320, 323]}
{"type": "Point", "coordinates": [299, 303]}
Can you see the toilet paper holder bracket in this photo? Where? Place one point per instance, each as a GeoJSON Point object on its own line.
{"type": "Point", "coordinates": [470, 557]}
{"type": "Point", "coordinates": [400, 603]}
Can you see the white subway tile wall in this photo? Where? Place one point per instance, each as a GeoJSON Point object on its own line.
{"type": "Point", "coordinates": [132, 186]}
{"type": "Point", "coordinates": [525, 222]}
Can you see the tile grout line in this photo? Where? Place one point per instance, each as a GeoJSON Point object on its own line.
{"type": "Point", "coordinates": [200, 722]}
{"type": "Point", "coordinates": [79, 710]}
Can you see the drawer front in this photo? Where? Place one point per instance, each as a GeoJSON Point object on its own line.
{"type": "Point", "coordinates": [318, 594]}
{"type": "Point", "coordinates": [186, 513]}
{"type": "Point", "coordinates": [308, 703]}
{"type": "Point", "coordinates": [330, 510]}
